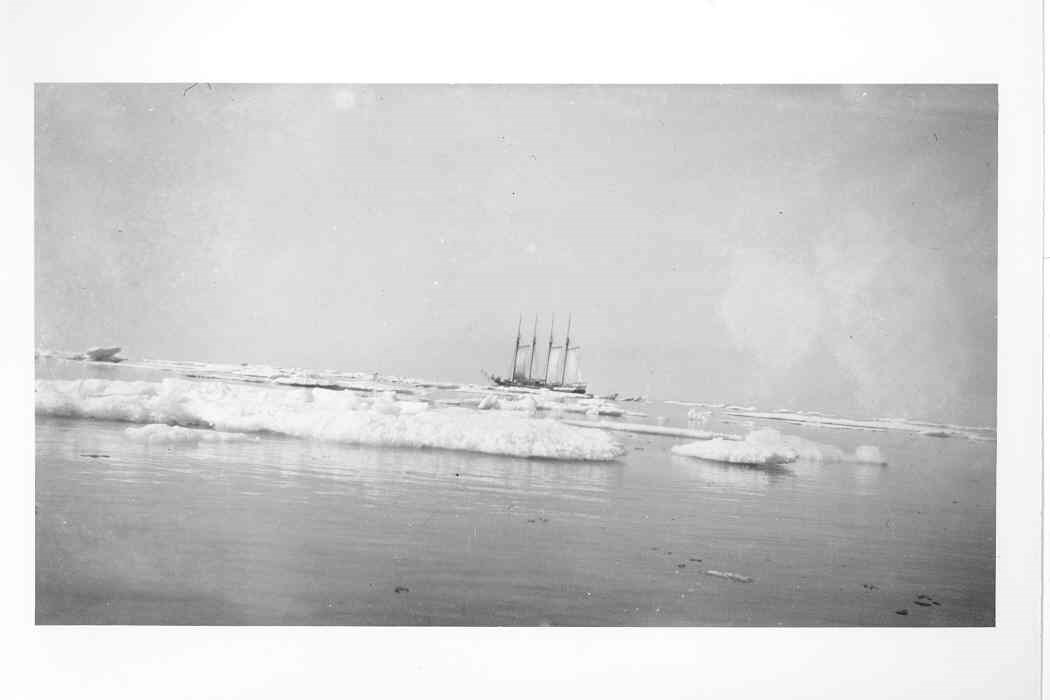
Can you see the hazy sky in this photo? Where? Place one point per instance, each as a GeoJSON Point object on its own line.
{"type": "Point", "coordinates": [803, 247]}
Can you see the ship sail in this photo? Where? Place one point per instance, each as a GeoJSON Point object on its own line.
{"type": "Point", "coordinates": [554, 363]}
{"type": "Point", "coordinates": [521, 362]}
{"type": "Point", "coordinates": [572, 367]}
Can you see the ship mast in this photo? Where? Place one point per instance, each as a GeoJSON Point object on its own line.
{"type": "Point", "coordinates": [532, 353]}
{"type": "Point", "coordinates": [550, 346]}
{"type": "Point", "coordinates": [565, 357]}
{"type": "Point", "coordinates": [517, 344]}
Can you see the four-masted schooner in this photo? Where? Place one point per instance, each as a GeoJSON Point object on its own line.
{"type": "Point", "coordinates": [562, 371]}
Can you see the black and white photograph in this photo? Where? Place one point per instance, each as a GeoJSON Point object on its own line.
{"type": "Point", "coordinates": [678, 350]}
{"type": "Point", "coordinates": [531, 355]}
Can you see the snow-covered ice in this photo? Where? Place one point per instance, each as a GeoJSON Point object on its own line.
{"type": "Point", "coordinates": [771, 447]}
{"type": "Point", "coordinates": [811, 451]}
{"type": "Point", "coordinates": [878, 425]}
{"type": "Point", "coordinates": [159, 432]}
{"type": "Point", "coordinates": [697, 415]}
{"type": "Point", "coordinates": [489, 401]}
{"type": "Point", "coordinates": [736, 452]}
{"type": "Point", "coordinates": [869, 454]}
{"type": "Point", "coordinates": [380, 420]}
{"type": "Point", "coordinates": [700, 404]}
{"type": "Point", "coordinates": [526, 404]}
{"type": "Point", "coordinates": [647, 429]}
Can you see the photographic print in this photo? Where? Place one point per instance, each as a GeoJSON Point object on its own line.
{"type": "Point", "coordinates": [515, 355]}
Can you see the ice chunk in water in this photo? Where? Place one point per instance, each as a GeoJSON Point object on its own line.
{"type": "Point", "coordinates": [736, 452]}
{"type": "Point", "coordinates": [869, 454]}
{"type": "Point", "coordinates": [697, 415]}
{"type": "Point", "coordinates": [768, 446]}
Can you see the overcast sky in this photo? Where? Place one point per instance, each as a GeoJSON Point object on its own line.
{"type": "Point", "coordinates": [802, 247]}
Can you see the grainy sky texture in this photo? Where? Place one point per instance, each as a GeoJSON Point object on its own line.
{"type": "Point", "coordinates": [820, 247]}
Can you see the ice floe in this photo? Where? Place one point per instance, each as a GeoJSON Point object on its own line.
{"type": "Point", "coordinates": [159, 432]}
{"type": "Point", "coordinates": [103, 354]}
{"type": "Point", "coordinates": [868, 454]}
{"type": "Point", "coordinates": [811, 451]}
{"type": "Point", "coordinates": [509, 399]}
{"type": "Point", "coordinates": [647, 429]}
{"type": "Point", "coordinates": [697, 415]}
{"type": "Point", "coordinates": [97, 354]}
{"type": "Point", "coordinates": [878, 425]}
{"type": "Point", "coordinates": [736, 452]}
{"type": "Point", "coordinates": [771, 447]}
{"type": "Point", "coordinates": [699, 404]}
{"type": "Point", "coordinates": [554, 403]}
{"type": "Point", "coordinates": [526, 404]}
{"type": "Point", "coordinates": [740, 578]}
{"type": "Point", "coordinates": [488, 402]}
{"type": "Point", "coordinates": [380, 420]}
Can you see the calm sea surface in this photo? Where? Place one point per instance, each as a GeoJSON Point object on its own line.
{"type": "Point", "coordinates": [284, 531]}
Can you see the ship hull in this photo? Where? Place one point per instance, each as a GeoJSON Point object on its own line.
{"type": "Point", "coordinates": [539, 384]}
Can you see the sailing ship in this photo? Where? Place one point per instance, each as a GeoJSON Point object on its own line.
{"type": "Point", "coordinates": [562, 369]}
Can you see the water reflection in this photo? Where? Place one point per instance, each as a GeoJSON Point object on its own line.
{"type": "Point", "coordinates": [371, 473]}
{"type": "Point", "coordinates": [868, 478]}
{"type": "Point", "coordinates": [55, 368]}
{"type": "Point", "coordinates": [283, 531]}
{"type": "Point", "coordinates": [738, 477]}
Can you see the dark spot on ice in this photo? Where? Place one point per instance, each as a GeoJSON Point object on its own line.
{"type": "Point", "coordinates": [680, 566]}
{"type": "Point", "coordinates": [95, 455]}
{"type": "Point", "coordinates": [695, 559]}
{"type": "Point", "coordinates": [401, 589]}
{"type": "Point", "coordinates": [902, 611]}
{"type": "Point", "coordinates": [923, 603]}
